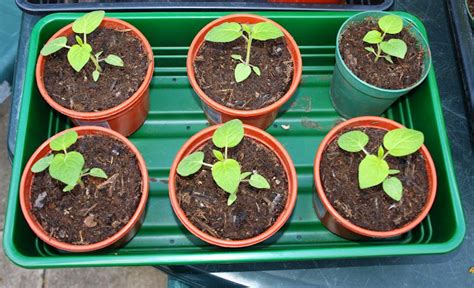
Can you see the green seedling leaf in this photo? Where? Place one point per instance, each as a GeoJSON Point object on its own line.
{"type": "Point", "coordinates": [393, 171]}
{"type": "Point", "coordinates": [245, 175]}
{"type": "Point", "coordinates": [259, 182]}
{"type": "Point", "coordinates": [256, 70]}
{"type": "Point", "coordinates": [373, 37]}
{"type": "Point", "coordinates": [191, 164]}
{"type": "Point", "coordinates": [388, 58]}
{"type": "Point", "coordinates": [42, 164]}
{"type": "Point", "coordinates": [380, 152]}
{"type": "Point", "coordinates": [97, 172]}
{"type": "Point", "coordinates": [236, 57]}
{"type": "Point", "coordinates": [226, 32]}
{"type": "Point", "coordinates": [64, 141]}
{"type": "Point", "coordinates": [79, 41]}
{"type": "Point", "coordinates": [114, 60]}
{"type": "Point", "coordinates": [231, 199]}
{"type": "Point", "coordinates": [67, 168]}
{"type": "Point", "coordinates": [227, 175]}
{"type": "Point", "coordinates": [372, 171]}
{"type": "Point", "coordinates": [403, 141]}
{"type": "Point", "coordinates": [97, 55]}
{"type": "Point", "coordinates": [394, 47]}
{"type": "Point", "coordinates": [247, 28]}
{"type": "Point", "coordinates": [370, 49]}
{"type": "Point", "coordinates": [353, 141]}
{"type": "Point", "coordinates": [78, 56]}
{"type": "Point", "coordinates": [391, 24]}
{"type": "Point", "coordinates": [88, 22]}
{"type": "Point", "coordinates": [54, 46]}
{"type": "Point", "coordinates": [218, 155]}
{"type": "Point", "coordinates": [95, 75]}
{"type": "Point", "coordinates": [69, 188]}
{"type": "Point", "coordinates": [393, 187]}
{"type": "Point", "coordinates": [265, 31]}
{"type": "Point", "coordinates": [229, 134]}
{"type": "Point", "coordinates": [242, 71]}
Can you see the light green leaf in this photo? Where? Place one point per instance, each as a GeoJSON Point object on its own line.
{"type": "Point", "coordinates": [97, 172]}
{"type": "Point", "coordinates": [394, 47]}
{"type": "Point", "coordinates": [353, 141]}
{"type": "Point", "coordinates": [226, 32]}
{"type": "Point", "coordinates": [256, 70]}
{"type": "Point", "coordinates": [259, 182]}
{"type": "Point", "coordinates": [391, 24]}
{"type": "Point", "coordinates": [88, 22]}
{"type": "Point", "coordinates": [236, 57]}
{"type": "Point", "coordinates": [403, 141]}
{"type": "Point", "coordinates": [95, 75]}
{"type": "Point", "coordinates": [79, 41]}
{"type": "Point", "coordinates": [227, 175]}
{"type": "Point", "coordinates": [242, 71]}
{"type": "Point", "coordinates": [265, 31]}
{"type": "Point", "coordinates": [231, 199]}
{"type": "Point", "coordinates": [370, 49]}
{"type": "Point", "coordinates": [388, 58]}
{"type": "Point", "coordinates": [373, 37]}
{"type": "Point", "coordinates": [218, 154]}
{"type": "Point", "coordinates": [191, 164]}
{"type": "Point", "coordinates": [393, 171]}
{"type": "Point", "coordinates": [67, 168]}
{"type": "Point", "coordinates": [69, 188]}
{"type": "Point", "coordinates": [380, 152]}
{"type": "Point", "coordinates": [97, 55]}
{"type": "Point", "coordinates": [229, 134]}
{"type": "Point", "coordinates": [64, 141]}
{"type": "Point", "coordinates": [372, 171]}
{"type": "Point", "coordinates": [114, 60]}
{"type": "Point", "coordinates": [54, 46]}
{"type": "Point", "coordinates": [245, 175]}
{"type": "Point", "coordinates": [42, 164]}
{"type": "Point", "coordinates": [393, 187]}
{"type": "Point", "coordinates": [78, 56]}
{"type": "Point", "coordinates": [247, 28]}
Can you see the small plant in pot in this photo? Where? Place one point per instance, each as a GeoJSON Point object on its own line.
{"type": "Point", "coordinates": [374, 178]}
{"type": "Point", "coordinates": [244, 66]}
{"type": "Point", "coordinates": [233, 185]}
{"type": "Point", "coordinates": [379, 57]}
{"type": "Point", "coordinates": [85, 189]}
{"type": "Point", "coordinates": [97, 71]}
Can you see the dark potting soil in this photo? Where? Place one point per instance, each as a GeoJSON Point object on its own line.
{"type": "Point", "coordinates": [401, 74]}
{"type": "Point", "coordinates": [254, 211]}
{"type": "Point", "coordinates": [214, 70]}
{"type": "Point", "coordinates": [102, 207]}
{"type": "Point", "coordinates": [470, 4]}
{"type": "Point", "coordinates": [371, 208]}
{"type": "Point", "coordinates": [78, 91]}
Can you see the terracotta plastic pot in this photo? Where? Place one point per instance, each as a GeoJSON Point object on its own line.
{"type": "Point", "coordinates": [200, 139]}
{"type": "Point", "coordinates": [124, 118]}
{"type": "Point", "coordinates": [217, 113]}
{"type": "Point", "coordinates": [343, 227]}
{"type": "Point", "coordinates": [123, 235]}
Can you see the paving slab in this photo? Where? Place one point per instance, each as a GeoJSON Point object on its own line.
{"type": "Point", "coordinates": [105, 277]}
{"type": "Point", "coordinates": [5, 165]}
{"type": "Point", "coordinates": [12, 276]}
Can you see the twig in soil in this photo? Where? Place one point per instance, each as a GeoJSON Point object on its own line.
{"type": "Point", "coordinates": [111, 180]}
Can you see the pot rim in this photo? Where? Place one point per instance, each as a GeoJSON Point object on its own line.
{"type": "Point", "coordinates": [263, 138]}
{"type": "Point", "coordinates": [36, 226]}
{"type": "Point", "coordinates": [430, 170]}
{"type": "Point", "coordinates": [196, 45]}
{"type": "Point", "coordinates": [111, 112]}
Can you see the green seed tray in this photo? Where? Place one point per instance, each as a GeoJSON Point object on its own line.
{"type": "Point", "coordinates": [175, 115]}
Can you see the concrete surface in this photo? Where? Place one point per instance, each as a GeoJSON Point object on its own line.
{"type": "Point", "coordinates": [12, 276]}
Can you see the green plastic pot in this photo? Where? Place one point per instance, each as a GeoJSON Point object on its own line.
{"type": "Point", "coordinates": [353, 97]}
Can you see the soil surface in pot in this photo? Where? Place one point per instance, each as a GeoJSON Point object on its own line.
{"type": "Point", "coordinates": [371, 208]}
{"type": "Point", "coordinates": [254, 211]}
{"type": "Point", "coordinates": [401, 74]}
{"type": "Point", "coordinates": [102, 207]}
{"type": "Point", "coordinates": [78, 91]}
{"type": "Point", "coordinates": [470, 4]}
{"type": "Point", "coordinates": [214, 70]}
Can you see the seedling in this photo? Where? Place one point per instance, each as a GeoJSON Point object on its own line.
{"type": "Point", "coordinates": [68, 166]}
{"type": "Point", "coordinates": [226, 172]}
{"type": "Point", "coordinates": [373, 169]}
{"type": "Point", "coordinates": [389, 24]}
{"type": "Point", "coordinates": [79, 54]}
{"type": "Point", "coordinates": [230, 31]}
